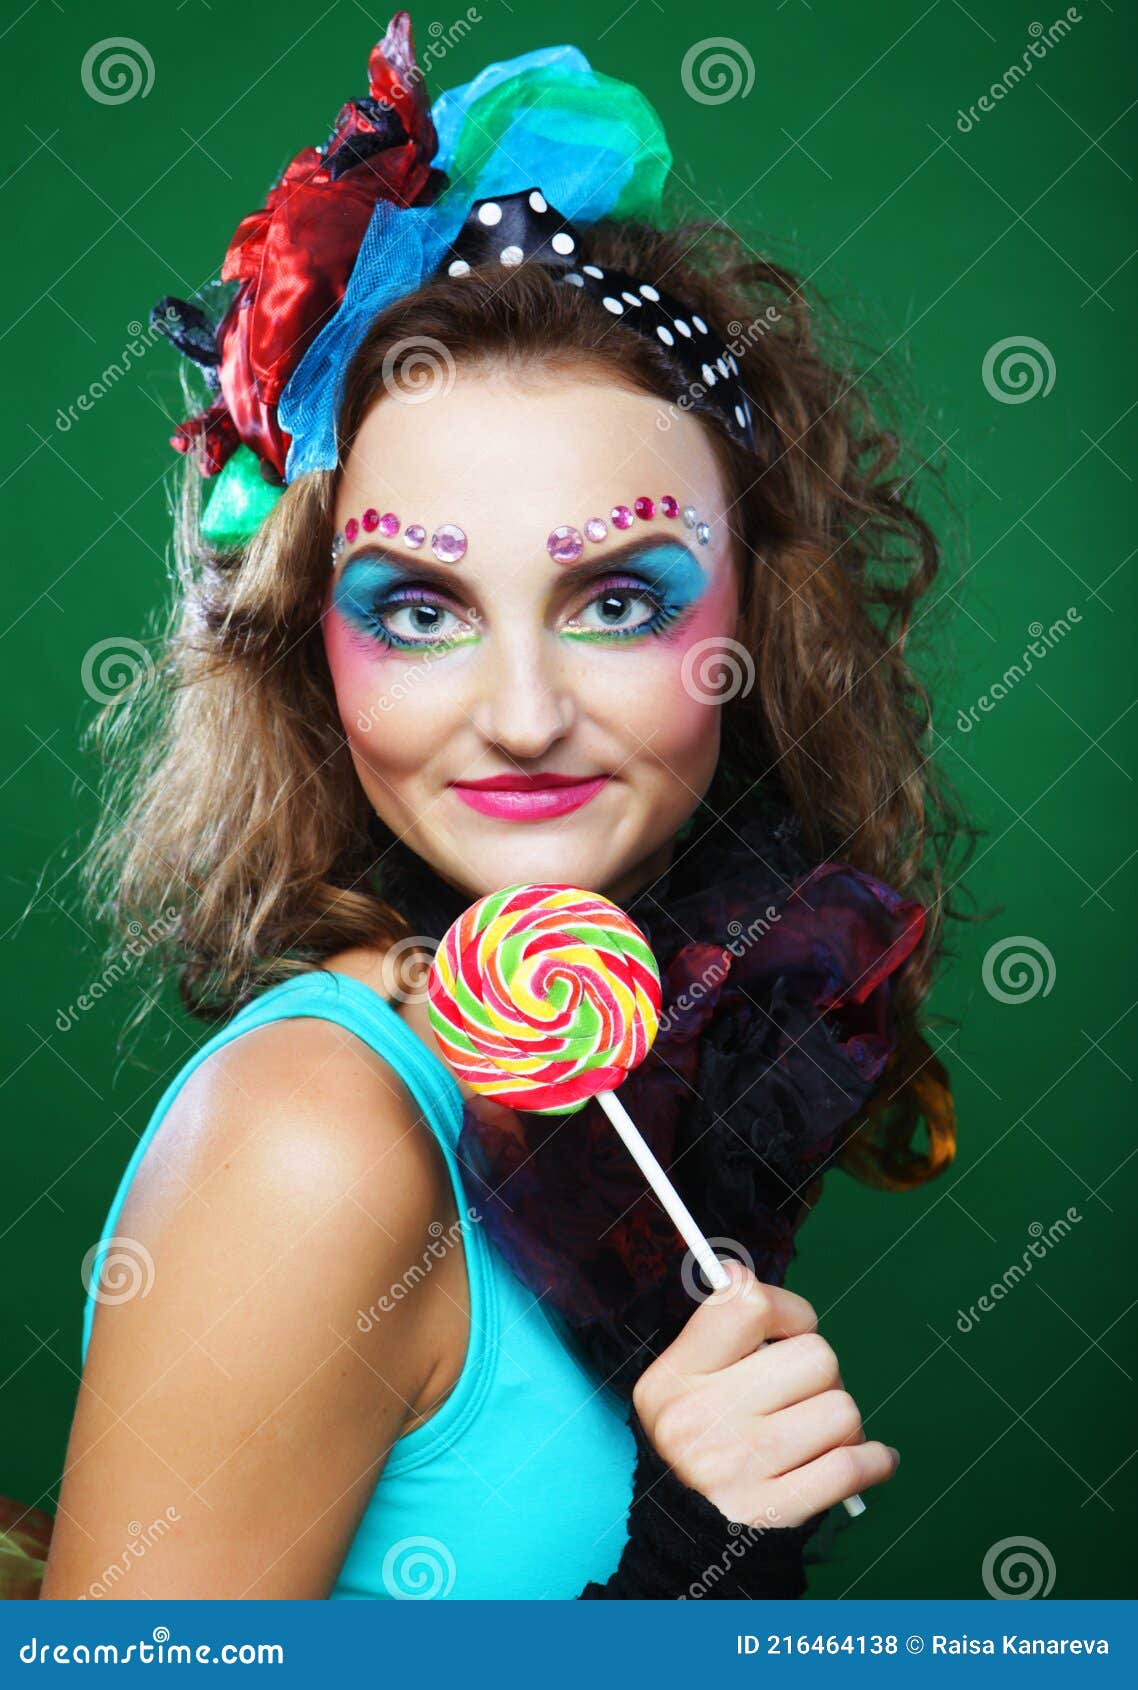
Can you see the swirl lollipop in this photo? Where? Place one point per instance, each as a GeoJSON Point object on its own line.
{"type": "Point", "coordinates": [545, 996]}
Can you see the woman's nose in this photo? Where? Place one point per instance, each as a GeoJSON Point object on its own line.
{"type": "Point", "coordinates": [524, 706]}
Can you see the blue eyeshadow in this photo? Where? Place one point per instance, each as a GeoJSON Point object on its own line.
{"type": "Point", "coordinates": [361, 587]}
{"type": "Point", "coordinates": [672, 570]}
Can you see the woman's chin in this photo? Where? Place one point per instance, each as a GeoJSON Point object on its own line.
{"type": "Point", "coordinates": [490, 864]}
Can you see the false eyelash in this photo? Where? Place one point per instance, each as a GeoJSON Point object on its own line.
{"type": "Point", "coordinates": [372, 617]}
{"type": "Point", "coordinates": [664, 615]}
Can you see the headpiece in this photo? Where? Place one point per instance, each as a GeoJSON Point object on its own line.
{"type": "Point", "coordinates": [509, 168]}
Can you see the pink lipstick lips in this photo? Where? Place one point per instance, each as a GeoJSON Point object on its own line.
{"type": "Point", "coordinates": [528, 798]}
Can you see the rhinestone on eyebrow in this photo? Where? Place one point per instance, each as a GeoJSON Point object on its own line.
{"type": "Point", "coordinates": [448, 542]}
{"type": "Point", "coordinates": [565, 544]}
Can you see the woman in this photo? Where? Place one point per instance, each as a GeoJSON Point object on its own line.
{"type": "Point", "coordinates": [514, 571]}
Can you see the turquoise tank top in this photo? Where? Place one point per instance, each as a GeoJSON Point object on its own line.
{"type": "Point", "coordinates": [519, 1484]}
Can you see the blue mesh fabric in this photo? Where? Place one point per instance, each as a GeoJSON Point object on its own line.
{"type": "Point", "coordinates": [399, 248]}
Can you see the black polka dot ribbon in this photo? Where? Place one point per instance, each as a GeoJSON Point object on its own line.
{"type": "Point", "coordinates": [523, 227]}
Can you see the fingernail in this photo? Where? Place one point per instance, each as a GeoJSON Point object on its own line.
{"type": "Point", "coordinates": [895, 1453]}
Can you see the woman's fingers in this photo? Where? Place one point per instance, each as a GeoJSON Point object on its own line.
{"type": "Point", "coordinates": [798, 1496]}
{"type": "Point", "coordinates": [795, 1436]}
{"type": "Point", "coordinates": [785, 1373]}
{"type": "Point", "coordinates": [733, 1323]}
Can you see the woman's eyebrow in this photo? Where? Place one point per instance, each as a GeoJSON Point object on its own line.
{"type": "Point", "coordinates": [595, 559]}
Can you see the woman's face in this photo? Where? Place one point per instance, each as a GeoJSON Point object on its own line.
{"type": "Point", "coordinates": [562, 684]}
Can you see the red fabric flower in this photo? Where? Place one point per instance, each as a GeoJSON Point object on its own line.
{"type": "Point", "coordinates": [293, 259]}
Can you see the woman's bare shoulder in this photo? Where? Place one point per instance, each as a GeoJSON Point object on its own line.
{"type": "Point", "coordinates": [306, 1088]}
{"type": "Point", "coordinates": [290, 1183]}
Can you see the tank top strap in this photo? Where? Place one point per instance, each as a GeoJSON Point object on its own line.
{"type": "Point", "coordinates": [348, 1002]}
{"type": "Point", "coordinates": [328, 996]}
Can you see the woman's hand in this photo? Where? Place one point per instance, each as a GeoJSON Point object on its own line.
{"type": "Point", "coordinates": [762, 1430]}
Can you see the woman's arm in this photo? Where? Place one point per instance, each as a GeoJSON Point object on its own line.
{"type": "Point", "coordinates": [232, 1421]}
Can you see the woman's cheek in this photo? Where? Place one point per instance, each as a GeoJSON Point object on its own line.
{"type": "Point", "coordinates": [373, 685]}
{"type": "Point", "coordinates": [672, 686]}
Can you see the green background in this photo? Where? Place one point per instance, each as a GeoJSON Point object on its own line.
{"type": "Point", "coordinates": [845, 161]}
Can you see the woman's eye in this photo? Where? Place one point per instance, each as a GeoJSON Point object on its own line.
{"type": "Point", "coordinates": [618, 610]}
{"type": "Point", "coordinates": [421, 624]}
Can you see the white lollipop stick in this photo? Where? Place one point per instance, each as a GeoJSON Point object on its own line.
{"type": "Point", "coordinates": [677, 1211]}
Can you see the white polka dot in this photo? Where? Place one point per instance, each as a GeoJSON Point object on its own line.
{"type": "Point", "coordinates": [722, 368]}
{"type": "Point", "coordinates": [562, 242]}
{"type": "Point", "coordinates": [699, 323]}
{"type": "Point", "coordinates": [490, 213]}
{"type": "Point", "coordinates": [537, 201]}
{"type": "Point", "coordinates": [511, 255]}
{"type": "Point", "coordinates": [630, 298]}
{"type": "Point", "coordinates": [458, 267]}
{"type": "Point", "coordinates": [665, 334]}
{"type": "Point", "coordinates": [683, 328]}
{"type": "Point", "coordinates": [573, 277]}
{"type": "Point", "coordinates": [708, 375]}
{"type": "Point", "coordinates": [739, 417]}
{"type": "Point", "coordinates": [591, 270]}
{"type": "Point", "coordinates": [733, 361]}
{"type": "Point", "coordinates": [613, 305]}
{"type": "Point", "coordinates": [648, 290]}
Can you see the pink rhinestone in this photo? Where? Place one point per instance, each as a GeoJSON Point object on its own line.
{"type": "Point", "coordinates": [414, 536]}
{"type": "Point", "coordinates": [669, 506]}
{"type": "Point", "coordinates": [644, 509]}
{"type": "Point", "coordinates": [369, 521]}
{"type": "Point", "coordinates": [596, 528]}
{"type": "Point", "coordinates": [351, 529]}
{"type": "Point", "coordinates": [448, 543]}
{"type": "Point", "coordinates": [565, 544]}
{"type": "Point", "coordinates": [389, 524]}
{"type": "Point", "coordinates": [620, 516]}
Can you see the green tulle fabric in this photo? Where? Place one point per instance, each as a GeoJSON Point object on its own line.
{"type": "Point", "coordinates": [240, 501]}
{"type": "Point", "coordinates": [569, 110]}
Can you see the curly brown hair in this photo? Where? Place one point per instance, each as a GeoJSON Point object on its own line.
{"type": "Point", "coordinates": [242, 808]}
